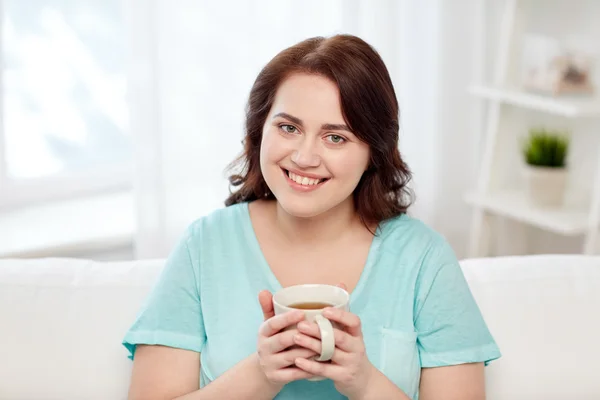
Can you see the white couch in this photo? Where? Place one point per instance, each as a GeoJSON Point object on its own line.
{"type": "Point", "coordinates": [62, 321]}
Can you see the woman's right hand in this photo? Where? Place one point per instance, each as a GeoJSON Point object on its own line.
{"type": "Point", "coordinates": [276, 359]}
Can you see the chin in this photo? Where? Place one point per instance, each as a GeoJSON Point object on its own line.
{"type": "Point", "coordinates": [300, 208]}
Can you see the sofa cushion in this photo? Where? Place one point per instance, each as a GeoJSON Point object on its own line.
{"type": "Point", "coordinates": [62, 322]}
{"type": "Point", "coordinates": [544, 312]}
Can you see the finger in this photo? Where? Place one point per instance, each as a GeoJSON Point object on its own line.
{"type": "Point", "coordinates": [314, 345]}
{"type": "Point", "coordinates": [287, 358]}
{"type": "Point", "coordinates": [343, 340]}
{"type": "Point", "coordinates": [350, 321]}
{"type": "Point", "coordinates": [332, 371]}
{"type": "Point", "coordinates": [280, 341]}
{"type": "Point", "coordinates": [308, 342]}
{"type": "Point", "coordinates": [279, 322]}
{"type": "Point", "coordinates": [310, 329]}
{"type": "Point", "coordinates": [286, 375]}
{"type": "Point", "coordinates": [340, 357]}
{"type": "Point", "coordinates": [265, 298]}
{"type": "Point", "coordinates": [342, 285]}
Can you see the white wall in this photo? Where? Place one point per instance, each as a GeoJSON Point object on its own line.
{"type": "Point", "coordinates": [456, 147]}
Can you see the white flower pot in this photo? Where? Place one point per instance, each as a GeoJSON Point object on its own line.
{"type": "Point", "coordinates": [545, 186]}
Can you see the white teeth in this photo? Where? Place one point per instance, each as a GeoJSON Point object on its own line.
{"type": "Point", "coordinates": [303, 180]}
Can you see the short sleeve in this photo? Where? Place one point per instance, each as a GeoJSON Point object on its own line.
{"type": "Point", "coordinates": [451, 329]}
{"type": "Point", "coordinates": [172, 314]}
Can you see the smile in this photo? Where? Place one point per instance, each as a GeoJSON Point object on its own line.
{"type": "Point", "coordinates": [303, 182]}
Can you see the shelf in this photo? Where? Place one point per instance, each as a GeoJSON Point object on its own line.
{"type": "Point", "coordinates": [514, 205]}
{"type": "Point", "coordinates": [572, 107]}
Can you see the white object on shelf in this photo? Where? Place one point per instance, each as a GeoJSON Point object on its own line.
{"type": "Point", "coordinates": [565, 106]}
{"type": "Point", "coordinates": [546, 186]}
{"type": "Point", "coordinates": [514, 204]}
{"type": "Point", "coordinates": [487, 199]}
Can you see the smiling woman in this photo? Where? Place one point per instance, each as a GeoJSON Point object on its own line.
{"type": "Point", "coordinates": [307, 150]}
{"type": "Point", "coordinates": [320, 198]}
{"type": "Point", "coordinates": [352, 119]}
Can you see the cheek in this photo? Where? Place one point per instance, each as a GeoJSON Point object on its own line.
{"type": "Point", "coordinates": [271, 148]}
{"type": "Point", "coordinates": [266, 153]}
{"type": "Point", "coordinates": [352, 166]}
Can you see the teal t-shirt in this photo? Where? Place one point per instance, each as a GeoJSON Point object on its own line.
{"type": "Point", "coordinates": [412, 298]}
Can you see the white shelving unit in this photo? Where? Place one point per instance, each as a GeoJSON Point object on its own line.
{"type": "Point", "coordinates": [513, 204]}
{"type": "Point", "coordinates": [571, 108]}
{"type": "Point", "coordinates": [489, 200]}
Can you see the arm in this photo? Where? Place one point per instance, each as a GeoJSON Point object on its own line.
{"type": "Point", "coordinates": [167, 373]}
{"type": "Point", "coordinates": [161, 372]}
{"type": "Point", "coordinates": [456, 382]}
{"type": "Point", "coordinates": [453, 338]}
{"type": "Point", "coordinates": [380, 387]}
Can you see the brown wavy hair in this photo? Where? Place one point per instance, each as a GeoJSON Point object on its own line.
{"type": "Point", "coordinates": [369, 107]}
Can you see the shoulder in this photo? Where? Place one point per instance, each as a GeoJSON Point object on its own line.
{"type": "Point", "coordinates": [410, 246]}
{"type": "Point", "coordinates": [413, 236]}
{"type": "Point", "coordinates": [216, 224]}
{"type": "Point", "coordinates": [424, 252]}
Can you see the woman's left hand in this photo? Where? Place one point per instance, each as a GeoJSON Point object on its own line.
{"type": "Point", "coordinates": [350, 369]}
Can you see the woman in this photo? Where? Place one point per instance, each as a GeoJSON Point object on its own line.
{"type": "Point", "coordinates": [321, 198]}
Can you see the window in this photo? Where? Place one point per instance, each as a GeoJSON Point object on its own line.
{"type": "Point", "coordinates": [64, 114]}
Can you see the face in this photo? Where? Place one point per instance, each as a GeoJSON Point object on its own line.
{"type": "Point", "coordinates": [309, 158]}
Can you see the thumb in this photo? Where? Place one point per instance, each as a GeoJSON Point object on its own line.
{"type": "Point", "coordinates": [265, 298]}
{"type": "Point", "coordinates": [342, 285]}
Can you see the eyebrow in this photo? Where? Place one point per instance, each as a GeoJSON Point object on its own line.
{"type": "Point", "coordinates": [329, 127]}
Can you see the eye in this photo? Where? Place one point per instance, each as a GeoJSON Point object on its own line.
{"type": "Point", "coordinates": [336, 139]}
{"type": "Point", "coordinates": [288, 128]}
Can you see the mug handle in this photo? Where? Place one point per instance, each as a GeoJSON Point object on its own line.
{"type": "Point", "coordinates": [327, 338]}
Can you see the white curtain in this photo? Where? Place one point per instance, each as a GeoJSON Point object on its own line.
{"type": "Point", "coordinates": [191, 68]}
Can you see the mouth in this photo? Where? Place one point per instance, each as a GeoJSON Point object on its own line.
{"type": "Point", "coordinates": [304, 181]}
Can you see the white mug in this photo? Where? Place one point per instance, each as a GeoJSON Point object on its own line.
{"type": "Point", "coordinates": [334, 296]}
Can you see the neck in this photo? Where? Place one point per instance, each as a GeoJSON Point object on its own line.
{"type": "Point", "coordinates": [320, 229]}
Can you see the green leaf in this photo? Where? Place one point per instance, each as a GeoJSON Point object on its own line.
{"type": "Point", "coordinates": [546, 148]}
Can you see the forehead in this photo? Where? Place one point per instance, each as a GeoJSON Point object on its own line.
{"type": "Point", "coordinates": [312, 98]}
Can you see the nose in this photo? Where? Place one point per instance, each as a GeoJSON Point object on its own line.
{"type": "Point", "coordinates": [306, 155]}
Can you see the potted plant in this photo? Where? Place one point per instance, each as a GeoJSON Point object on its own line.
{"type": "Point", "coordinates": [545, 152]}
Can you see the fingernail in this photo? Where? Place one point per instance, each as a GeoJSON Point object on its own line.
{"type": "Point", "coordinates": [302, 361]}
{"type": "Point", "coordinates": [303, 325]}
{"type": "Point", "coordinates": [297, 338]}
{"type": "Point", "coordinates": [328, 312]}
